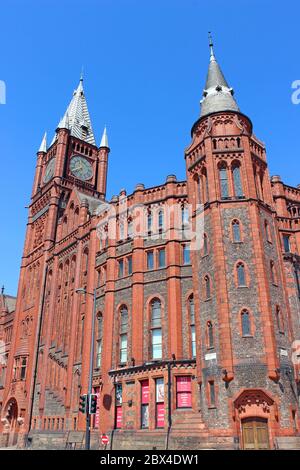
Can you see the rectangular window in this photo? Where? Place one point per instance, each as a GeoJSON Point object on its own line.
{"type": "Point", "coordinates": [121, 268]}
{"type": "Point", "coordinates": [286, 243]}
{"type": "Point", "coordinates": [161, 258]}
{"type": "Point", "coordinates": [123, 348]}
{"type": "Point", "coordinates": [118, 414]}
{"type": "Point", "coordinates": [145, 404]}
{"type": "Point", "coordinates": [156, 343]}
{"type": "Point", "coordinates": [99, 353]}
{"type": "Point", "coordinates": [186, 254]}
{"type": "Point", "coordinates": [150, 260]}
{"type": "Point", "coordinates": [129, 264]}
{"type": "Point", "coordinates": [184, 391]}
{"type": "Point", "coordinates": [160, 403]}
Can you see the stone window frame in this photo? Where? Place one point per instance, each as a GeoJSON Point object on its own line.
{"type": "Point", "coordinates": [251, 322]}
{"type": "Point", "coordinates": [246, 274]}
{"type": "Point", "coordinates": [241, 229]}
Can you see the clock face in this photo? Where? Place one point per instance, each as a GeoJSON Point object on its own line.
{"type": "Point", "coordinates": [49, 170]}
{"type": "Point", "coordinates": [81, 168]}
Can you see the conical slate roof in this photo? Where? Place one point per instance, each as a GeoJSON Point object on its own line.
{"type": "Point", "coordinates": [77, 118]}
{"type": "Point", "coordinates": [217, 95]}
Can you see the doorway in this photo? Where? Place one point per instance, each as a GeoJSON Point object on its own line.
{"type": "Point", "coordinates": [255, 434]}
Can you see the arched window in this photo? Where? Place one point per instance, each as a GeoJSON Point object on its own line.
{"type": "Point", "coordinates": [207, 287]}
{"type": "Point", "coordinates": [237, 182]}
{"type": "Point", "coordinates": [99, 341]}
{"type": "Point", "coordinates": [236, 231]}
{"type": "Point", "coordinates": [191, 307]}
{"type": "Point", "coordinates": [160, 220]}
{"type": "Point", "coordinates": [210, 335]}
{"type": "Point", "coordinates": [123, 333]}
{"type": "Point", "coordinates": [223, 181]}
{"type": "Point", "coordinates": [241, 276]}
{"type": "Point", "coordinates": [156, 330]}
{"type": "Point", "coordinates": [85, 260]}
{"type": "Point", "coordinates": [246, 325]}
{"type": "Point", "coordinates": [149, 221]}
{"type": "Point", "coordinates": [279, 320]}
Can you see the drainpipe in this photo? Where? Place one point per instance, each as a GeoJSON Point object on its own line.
{"type": "Point", "coordinates": [169, 405]}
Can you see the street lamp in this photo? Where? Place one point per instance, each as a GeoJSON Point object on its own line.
{"type": "Point", "coordinates": [82, 290]}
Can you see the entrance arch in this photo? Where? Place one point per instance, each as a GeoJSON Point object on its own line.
{"type": "Point", "coordinates": [11, 425]}
{"type": "Point", "coordinates": [255, 413]}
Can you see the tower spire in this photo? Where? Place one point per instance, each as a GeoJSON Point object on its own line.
{"type": "Point", "coordinates": [77, 118]}
{"type": "Point", "coordinates": [217, 94]}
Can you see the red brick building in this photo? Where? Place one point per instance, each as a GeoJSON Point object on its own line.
{"type": "Point", "coordinates": [196, 344]}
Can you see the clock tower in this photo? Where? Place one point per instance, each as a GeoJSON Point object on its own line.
{"type": "Point", "coordinates": [69, 186]}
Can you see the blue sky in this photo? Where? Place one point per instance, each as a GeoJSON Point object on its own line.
{"type": "Point", "coordinates": [145, 63]}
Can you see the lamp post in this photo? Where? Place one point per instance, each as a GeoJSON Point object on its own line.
{"type": "Point", "coordinates": [82, 290]}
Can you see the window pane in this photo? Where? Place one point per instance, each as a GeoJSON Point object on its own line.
{"type": "Point", "coordinates": [160, 219]}
{"type": "Point", "coordinates": [155, 313]}
{"type": "Point", "coordinates": [121, 268]}
{"type": "Point", "coordinates": [223, 182]}
{"type": "Point", "coordinates": [123, 348]}
{"type": "Point", "coordinates": [236, 231]}
{"type": "Point", "coordinates": [156, 344]}
{"type": "Point", "coordinates": [161, 258]}
{"type": "Point", "coordinates": [238, 190]}
{"type": "Point", "coordinates": [245, 324]}
{"type": "Point", "coordinates": [193, 340]}
{"type": "Point", "coordinates": [286, 243]}
{"type": "Point", "coordinates": [129, 260]}
{"type": "Point", "coordinates": [150, 263]}
{"type": "Point", "coordinates": [186, 254]}
{"type": "Point", "coordinates": [241, 275]}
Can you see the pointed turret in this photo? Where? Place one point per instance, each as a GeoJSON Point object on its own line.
{"type": "Point", "coordinates": [104, 140]}
{"type": "Point", "coordinates": [77, 118]}
{"type": "Point", "coordinates": [217, 95]}
{"type": "Point", "coordinates": [43, 146]}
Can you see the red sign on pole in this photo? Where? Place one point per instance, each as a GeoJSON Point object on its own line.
{"type": "Point", "coordinates": [104, 439]}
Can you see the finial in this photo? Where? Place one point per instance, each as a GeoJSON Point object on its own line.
{"type": "Point", "coordinates": [211, 46]}
{"type": "Point", "coordinates": [2, 290]}
{"type": "Point", "coordinates": [81, 74]}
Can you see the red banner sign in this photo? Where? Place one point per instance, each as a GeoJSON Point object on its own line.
{"type": "Point", "coordinates": [183, 384]}
{"type": "Point", "coordinates": [145, 392]}
{"type": "Point", "coordinates": [160, 415]}
{"type": "Point", "coordinates": [119, 415]}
